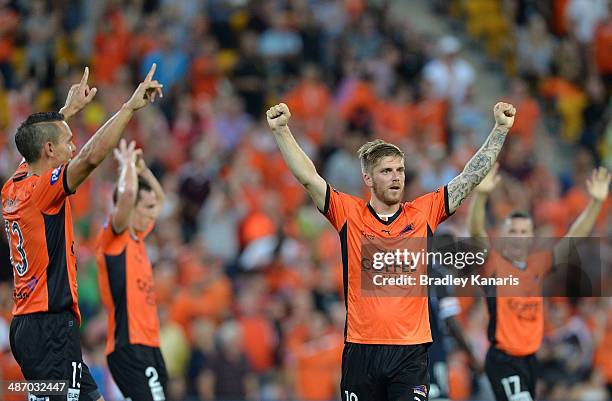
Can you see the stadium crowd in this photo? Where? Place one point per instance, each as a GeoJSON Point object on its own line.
{"type": "Point", "coordinates": [248, 273]}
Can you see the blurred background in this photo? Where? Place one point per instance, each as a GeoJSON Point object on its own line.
{"type": "Point", "coordinates": [248, 273]}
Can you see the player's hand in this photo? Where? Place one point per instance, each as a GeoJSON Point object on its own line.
{"type": "Point", "coordinates": [278, 116]}
{"type": "Point", "coordinates": [146, 91]}
{"type": "Point", "coordinates": [78, 97]}
{"type": "Point", "coordinates": [126, 154]}
{"type": "Point", "coordinates": [141, 166]}
{"type": "Point", "coordinates": [504, 114]}
{"type": "Point", "coordinates": [490, 181]}
{"type": "Point", "coordinates": [599, 183]}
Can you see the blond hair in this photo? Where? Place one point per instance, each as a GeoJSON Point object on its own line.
{"type": "Point", "coordinates": [371, 152]}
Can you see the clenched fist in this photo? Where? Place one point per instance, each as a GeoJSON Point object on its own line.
{"type": "Point", "coordinates": [504, 114]}
{"type": "Point", "coordinates": [598, 184]}
{"type": "Point", "coordinates": [278, 116]}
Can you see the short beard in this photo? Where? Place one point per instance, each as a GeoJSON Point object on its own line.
{"type": "Point", "coordinates": [387, 200]}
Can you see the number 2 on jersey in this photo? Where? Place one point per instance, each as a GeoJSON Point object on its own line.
{"type": "Point", "coordinates": [21, 267]}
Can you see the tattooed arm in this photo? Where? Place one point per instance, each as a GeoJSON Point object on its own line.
{"type": "Point", "coordinates": [482, 162]}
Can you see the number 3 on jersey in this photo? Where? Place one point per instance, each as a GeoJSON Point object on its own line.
{"type": "Point", "coordinates": [13, 230]}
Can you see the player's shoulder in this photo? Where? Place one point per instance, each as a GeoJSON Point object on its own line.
{"type": "Point", "coordinates": [108, 236]}
{"type": "Point", "coordinates": [20, 173]}
{"type": "Point", "coordinates": [346, 197]}
{"type": "Point", "coordinates": [426, 198]}
{"type": "Point", "coordinates": [12, 191]}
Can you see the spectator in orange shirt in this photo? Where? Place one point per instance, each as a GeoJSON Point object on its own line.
{"type": "Point", "coordinates": [394, 118]}
{"type": "Point", "coordinates": [431, 116]}
{"type": "Point", "coordinates": [310, 100]}
{"type": "Point", "coordinates": [207, 294]}
{"type": "Point", "coordinates": [204, 70]}
{"type": "Point", "coordinates": [526, 123]}
{"type": "Point", "coordinates": [356, 100]}
{"type": "Point", "coordinates": [112, 44]}
{"type": "Point", "coordinates": [259, 340]}
{"type": "Point", "coordinates": [9, 21]}
{"type": "Point", "coordinates": [603, 47]}
{"type": "Point", "coordinates": [317, 362]}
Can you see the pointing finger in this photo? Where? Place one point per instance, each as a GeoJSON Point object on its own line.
{"type": "Point", "coordinates": [151, 72]}
{"type": "Point", "coordinates": [85, 76]}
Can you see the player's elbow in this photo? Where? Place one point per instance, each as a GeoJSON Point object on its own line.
{"type": "Point", "coordinates": [309, 182]}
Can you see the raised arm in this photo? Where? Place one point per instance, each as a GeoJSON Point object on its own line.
{"type": "Point", "coordinates": [598, 186]}
{"type": "Point", "coordinates": [106, 138]}
{"type": "Point", "coordinates": [476, 215]}
{"type": "Point", "coordinates": [298, 162]}
{"type": "Point", "coordinates": [147, 175]}
{"type": "Point", "coordinates": [482, 162]}
{"type": "Point", "coordinates": [127, 185]}
{"type": "Point", "coordinates": [78, 97]}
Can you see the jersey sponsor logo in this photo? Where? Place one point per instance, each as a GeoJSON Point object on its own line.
{"type": "Point", "coordinates": [524, 310]}
{"type": "Point", "coordinates": [145, 285]}
{"type": "Point", "coordinates": [55, 175]}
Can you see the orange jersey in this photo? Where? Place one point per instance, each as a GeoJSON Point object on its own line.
{"type": "Point", "coordinates": [399, 320]}
{"type": "Point", "coordinates": [125, 277]}
{"type": "Point", "coordinates": [516, 323]}
{"type": "Point", "coordinates": [38, 223]}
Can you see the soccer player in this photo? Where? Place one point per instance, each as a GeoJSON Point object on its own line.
{"type": "Point", "coordinates": [126, 280]}
{"type": "Point", "coordinates": [386, 338]}
{"type": "Point", "coordinates": [516, 323]}
{"type": "Point", "coordinates": [44, 333]}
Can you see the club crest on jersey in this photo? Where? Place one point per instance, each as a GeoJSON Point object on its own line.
{"type": "Point", "coordinates": [55, 175]}
{"type": "Point", "coordinates": [406, 229]}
